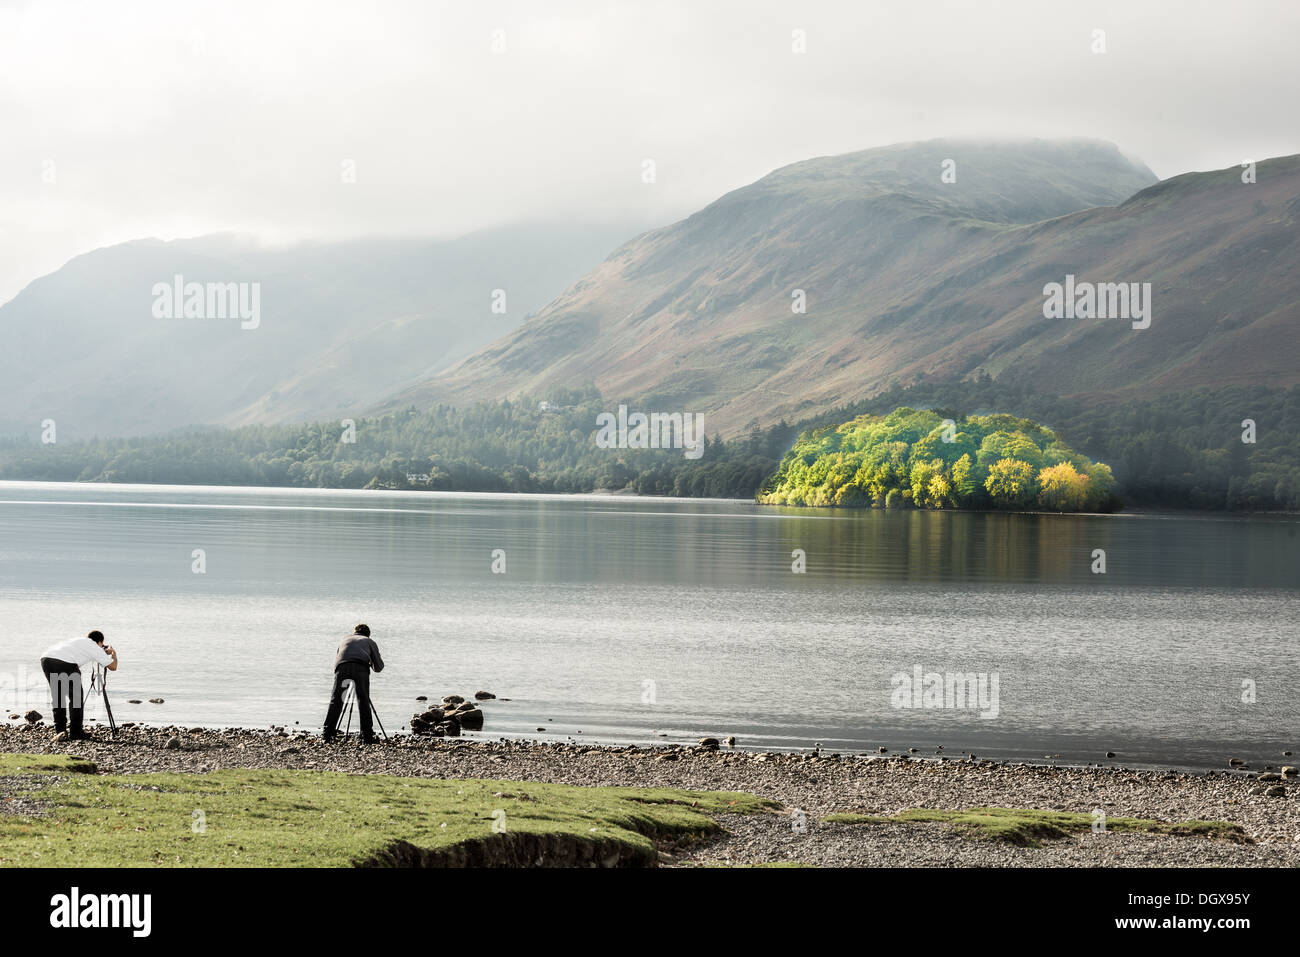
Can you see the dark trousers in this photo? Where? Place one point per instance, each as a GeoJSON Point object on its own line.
{"type": "Point", "coordinates": [357, 675]}
{"type": "Point", "coordinates": [66, 693]}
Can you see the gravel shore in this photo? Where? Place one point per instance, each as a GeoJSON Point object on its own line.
{"type": "Point", "coordinates": [815, 784]}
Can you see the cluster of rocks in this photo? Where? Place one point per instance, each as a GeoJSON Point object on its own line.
{"type": "Point", "coordinates": [451, 717]}
{"type": "Point", "coordinates": [1271, 789]}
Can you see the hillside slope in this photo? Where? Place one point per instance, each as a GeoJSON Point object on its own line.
{"type": "Point", "coordinates": [341, 325]}
{"type": "Point", "coordinates": [908, 279]}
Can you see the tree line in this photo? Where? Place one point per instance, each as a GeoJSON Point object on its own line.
{"type": "Point", "coordinates": [1181, 450]}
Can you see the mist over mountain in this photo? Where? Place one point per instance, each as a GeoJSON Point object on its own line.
{"type": "Point", "coordinates": [341, 326]}
{"type": "Point", "coordinates": [920, 262]}
{"type": "Point", "coordinates": [910, 278]}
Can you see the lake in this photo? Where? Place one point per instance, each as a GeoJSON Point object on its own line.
{"type": "Point", "coordinates": [654, 620]}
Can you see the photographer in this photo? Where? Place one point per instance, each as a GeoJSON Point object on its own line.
{"type": "Point", "coordinates": [357, 654]}
{"type": "Point", "coordinates": [61, 665]}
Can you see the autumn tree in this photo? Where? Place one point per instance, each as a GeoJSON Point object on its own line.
{"type": "Point", "coordinates": [1011, 483]}
{"type": "Point", "coordinates": [1062, 488]}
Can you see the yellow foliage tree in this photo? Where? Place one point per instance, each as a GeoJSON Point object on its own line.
{"type": "Point", "coordinates": [940, 491]}
{"type": "Point", "coordinates": [1011, 483]}
{"type": "Point", "coordinates": [1062, 488]}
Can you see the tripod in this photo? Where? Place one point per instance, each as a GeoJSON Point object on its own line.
{"type": "Point", "coordinates": [101, 676]}
{"type": "Point", "coordinates": [351, 706]}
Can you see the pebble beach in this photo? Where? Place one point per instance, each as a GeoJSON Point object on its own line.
{"type": "Point", "coordinates": [817, 784]}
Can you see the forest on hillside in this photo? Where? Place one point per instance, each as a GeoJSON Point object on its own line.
{"type": "Point", "coordinates": [1183, 450]}
{"type": "Point", "coordinates": [506, 446]}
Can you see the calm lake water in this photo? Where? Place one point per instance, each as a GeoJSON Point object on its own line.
{"type": "Point", "coordinates": [627, 619]}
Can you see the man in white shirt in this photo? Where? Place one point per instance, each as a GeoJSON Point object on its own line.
{"type": "Point", "coordinates": [62, 667]}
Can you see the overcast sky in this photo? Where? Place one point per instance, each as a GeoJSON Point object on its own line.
{"type": "Point", "coordinates": [131, 119]}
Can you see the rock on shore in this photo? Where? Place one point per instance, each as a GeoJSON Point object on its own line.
{"type": "Point", "coordinates": [450, 718]}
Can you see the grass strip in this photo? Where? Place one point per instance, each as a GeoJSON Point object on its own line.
{"type": "Point", "coordinates": [306, 818]}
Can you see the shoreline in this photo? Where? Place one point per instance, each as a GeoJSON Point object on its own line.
{"type": "Point", "coordinates": [815, 784]}
{"type": "Point", "coordinates": [1253, 764]}
{"type": "Point", "coordinates": [1249, 769]}
{"type": "Point", "coordinates": [1125, 511]}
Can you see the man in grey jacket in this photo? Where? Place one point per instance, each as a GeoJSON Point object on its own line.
{"type": "Point", "coordinates": [357, 654]}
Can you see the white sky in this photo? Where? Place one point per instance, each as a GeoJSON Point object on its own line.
{"type": "Point", "coordinates": [178, 118]}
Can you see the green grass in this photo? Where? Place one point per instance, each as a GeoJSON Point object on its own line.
{"type": "Point", "coordinates": [304, 818]}
{"type": "Point", "coordinates": [1028, 827]}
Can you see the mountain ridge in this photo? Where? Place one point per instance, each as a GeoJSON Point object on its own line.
{"type": "Point", "coordinates": [696, 314]}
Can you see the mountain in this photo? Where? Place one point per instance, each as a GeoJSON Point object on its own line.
{"type": "Point", "coordinates": [341, 325]}
{"type": "Point", "coordinates": [910, 279]}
